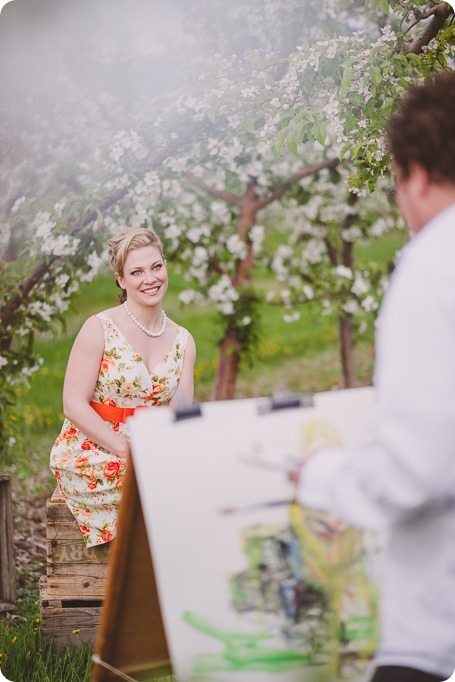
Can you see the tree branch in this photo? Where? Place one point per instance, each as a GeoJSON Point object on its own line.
{"type": "Point", "coordinates": [226, 196]}
{"type": "Point", "coordinates": [440, 15]}
{"type": "Point", "coordinates": [420, 16]}
{"type": "Point", "coordinates": [217, 267]}
{"type": "Point", "coordinates": [286, 186]}
{"type": "Point", "coordinates": [26, 286]}
{"type": "Point", "coordinates": [331, 252]}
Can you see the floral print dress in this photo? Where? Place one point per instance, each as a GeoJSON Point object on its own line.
{"type": "Point", "coordinates": [89, 477]}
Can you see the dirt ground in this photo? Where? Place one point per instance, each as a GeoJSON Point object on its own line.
{"type": "Point", "coordinates": [29, 518]}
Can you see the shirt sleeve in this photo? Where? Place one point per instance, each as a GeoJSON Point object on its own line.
{"type": "Point", "coordinates": [411, 463]}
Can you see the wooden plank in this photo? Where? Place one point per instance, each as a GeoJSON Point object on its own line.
{"type": "Point", "coordinates": [58, 601]}
{"type": "Point", "coordinates": [78, 571]}
{"type": "Point", "coordinates": [6, 606]}
{"type": "Point", "coordinates": [131, 634]}
{"type": "Point", "coordinates": [7, 565]}
{"type": "Point", "coordinates": [77, 586]}
{"type": "Point", "coordinates": [62, 530]}
{"type": "Point", "coordinates": [67, 550]}
{"type": "Point", "coordinates": [68, 621]}
{"type": "Point", "coordinates": [60, 523]}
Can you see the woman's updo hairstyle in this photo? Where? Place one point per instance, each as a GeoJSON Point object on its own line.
{"type": "Point", "coordinates": [129, 240]}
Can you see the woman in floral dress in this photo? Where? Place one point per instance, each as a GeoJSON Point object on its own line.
{"type": "Point", "coordinates": [128, 357]}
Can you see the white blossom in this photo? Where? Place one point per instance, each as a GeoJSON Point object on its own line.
{"type": "Point", "coordinates": [17, 204]}
{"type": "Point", "coordinates": [257, 234]}
{"type": "Point", "coordinates": [190, 296]}
{"type": "Point", "coordinates": [369, 304]}
{"type": "Point", "coordinates": [343, 271]}
{"type": "Point", "coordinates": [245, 321]}
{"type": "Point", "coordinates": [313, 251]}
{"type": "Point", "coordinates": [308, 292]}
{"type": "Point", "coordinates": [41, 309]}
{"type": "Point", "coordinates": [236, 246]}
{"type": "Point", "coordinates": [360, 286]}
{"type": "Point", "coordinates": [291, 317]}
{"type": "Point", "coordinates": [351, 307]}
{"type": "Point", "coordinates": [351, 234]}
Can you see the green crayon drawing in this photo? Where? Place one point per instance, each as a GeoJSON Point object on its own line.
{"type": "Point", "coordinates": [242, 651]}
{"type": "Point", "coordinates": [310, 578]}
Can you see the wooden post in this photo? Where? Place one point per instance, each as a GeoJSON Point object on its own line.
{"type": "Point", "coordinates": [7, 566]}
{"type": "Point", "coordinates": [131, 637]}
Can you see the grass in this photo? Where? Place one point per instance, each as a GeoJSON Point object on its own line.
{"type": "Point", "coordinates": [301, 357]}
{"type": "Point", "coordinates": [25, 656]}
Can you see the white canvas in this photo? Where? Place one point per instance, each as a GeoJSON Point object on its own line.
{"type": "Point", "coordinates": [198, 481]}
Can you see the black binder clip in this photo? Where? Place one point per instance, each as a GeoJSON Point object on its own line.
{"type": "Point", "coordinates": [187, 412]}
{"type": "Point", "coordinates": [287, 402]}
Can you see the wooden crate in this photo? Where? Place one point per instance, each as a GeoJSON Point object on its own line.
{"type": "Point", "coordinates": [7, 566]}
{"type": "Point", "coordinates": [72, 591]}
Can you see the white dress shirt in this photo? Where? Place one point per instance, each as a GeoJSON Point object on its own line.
{"type": "Point", "coordinates": [405, 481]}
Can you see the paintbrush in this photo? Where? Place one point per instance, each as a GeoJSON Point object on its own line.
{"type": "Point", "coordinates": [254, 507]}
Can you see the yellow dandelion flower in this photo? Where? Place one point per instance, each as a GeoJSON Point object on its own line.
{"type": "Point", "coordinates": [76, 631]}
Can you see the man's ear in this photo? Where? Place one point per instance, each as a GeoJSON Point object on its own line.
{"type": "Point", "coordinates": [420, 179]}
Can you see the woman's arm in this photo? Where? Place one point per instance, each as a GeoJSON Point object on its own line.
{"type": "Point", "coordinates": [80, 381]}
{"type": "Point", "coordinates": [184, 394]}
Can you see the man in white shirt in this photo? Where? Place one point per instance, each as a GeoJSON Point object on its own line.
{"type": "Point", "coordinates": [405, 481]}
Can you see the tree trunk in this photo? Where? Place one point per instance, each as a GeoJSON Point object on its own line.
{"type": "Point", "coordinates": [229, 358]}
{"type": "Point", "coordinates": [347, 350]}
{"type": "Point", "coordinates": [228, 367]}
{"type": "Point", "coordinates": [345, 321]}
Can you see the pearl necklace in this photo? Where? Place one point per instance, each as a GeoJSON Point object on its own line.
{"type": "Point", "coordinates": [141, 326]}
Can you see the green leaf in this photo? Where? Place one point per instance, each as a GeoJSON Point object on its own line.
{"type": "Point", "coordinates": [351, 120]}
{"type": "Point", "coordinates": [346, 147]}
{"type": "Point", "coordinates": [384, 6]}
{"type": "Point", "coordinates": [346, 80]}
{"type": "Point", "coordinates": [356, 150]}
{"type": "Point", "coordinates": [376, 75]}
{"type": "Point", "coordinates": [318, 131]}
{"type": "Point", "coordinates": [300, 132]}
{"type": "Point", "coordinates": [291, 144]}
{"type": "Point", "coordinates": [280, 139]}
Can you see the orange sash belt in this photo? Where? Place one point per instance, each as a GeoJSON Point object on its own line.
{"type": "Point", "coordinates": [111, 413]}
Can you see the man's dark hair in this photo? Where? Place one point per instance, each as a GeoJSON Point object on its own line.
{"type": "Point", "coordinates": [422, 129]}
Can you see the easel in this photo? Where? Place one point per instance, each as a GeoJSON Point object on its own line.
{"type": "Point", "coordinates": [131, 637]}
{"type": "Point", "coordinates": [132, 643]}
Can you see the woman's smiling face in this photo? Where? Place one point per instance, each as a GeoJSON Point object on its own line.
{"type": "Point", "coordinates": [145, 276]}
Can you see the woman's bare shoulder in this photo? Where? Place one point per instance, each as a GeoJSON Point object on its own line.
{"type": "Point", "coordinates": [113, 313]}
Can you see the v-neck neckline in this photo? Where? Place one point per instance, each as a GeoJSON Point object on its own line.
{"type": "Point", "coordinates": [150, 372]}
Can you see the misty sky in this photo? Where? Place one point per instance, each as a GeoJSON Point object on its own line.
{"type": "Point", "coordinates": [140, 26]}
{"type": "Point", "coordinates": [56, 55]}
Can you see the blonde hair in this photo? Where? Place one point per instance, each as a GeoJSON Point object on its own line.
{"type": "Point", "coordinates": [126, 241]}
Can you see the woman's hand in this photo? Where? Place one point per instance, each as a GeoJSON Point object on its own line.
{"type": "Point", "coordinates": [123, 450]}
{"type": "Point", "coordinates": [294, 475]}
